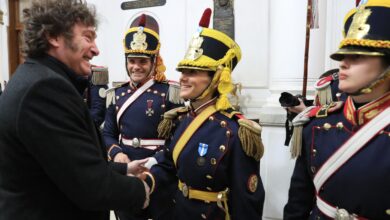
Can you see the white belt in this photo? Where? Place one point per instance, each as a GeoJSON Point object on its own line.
{"type": "Point", "coordinates": [335, 213]}
{"type": "Point", "coordinates": [151, 144]}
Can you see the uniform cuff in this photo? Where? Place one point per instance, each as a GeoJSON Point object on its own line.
{"type": "Point", "coordinates": [113, 150]}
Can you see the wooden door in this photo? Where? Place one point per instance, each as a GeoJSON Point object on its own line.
{"type": "Point", "coordinates": [15, 30]}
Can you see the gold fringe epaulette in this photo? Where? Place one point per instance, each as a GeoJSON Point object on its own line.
{"type": "Point", "coordinates": [99, 75]}
{"type": "Point", "coordinates": [250, 137]}
{"type": "Point", "coordinates": [174, 93]}
{"type": "Point", "coordinates": [164, 128]}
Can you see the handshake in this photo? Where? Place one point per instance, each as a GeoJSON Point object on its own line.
{"type": "Point", "coordinates": [138, 168]}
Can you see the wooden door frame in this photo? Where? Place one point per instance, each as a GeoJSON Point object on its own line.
{"type": "Point", "coordinates": [13, 39]}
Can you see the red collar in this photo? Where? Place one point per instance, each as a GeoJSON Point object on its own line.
{"type": "Point", "coordinates": [367, 112]}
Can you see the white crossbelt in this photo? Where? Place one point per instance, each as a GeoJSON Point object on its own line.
{"type": "Point", "coordinates": [151, 144]}
{"type": "Point", "coordinates": [132, 98]}
{"type": "Point", "coordinates": [344, 153]}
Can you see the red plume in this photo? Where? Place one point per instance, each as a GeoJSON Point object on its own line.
{"type": "Point", "coordinates": [142, 20]}
{"type": "Point", "coordinates": [357, 2]}
{"type": "Point", "coordinates": [205, 20]}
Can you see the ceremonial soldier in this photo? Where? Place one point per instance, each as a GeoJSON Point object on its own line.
{"type": "Point", "coordinates": [214, 152]}
{"type": "Point", "coordinates": [342, 169]}
{"type": "Point", "coordinates": [136, 107]}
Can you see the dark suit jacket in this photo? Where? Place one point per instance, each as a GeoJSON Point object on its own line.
{"type": "Point", "coordinates": [52, 163]}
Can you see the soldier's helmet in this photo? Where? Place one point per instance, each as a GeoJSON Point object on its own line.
{"type": "Point", "coordinates": [367, 33]}
{"type": "Point", "coordinates": [142, 40]}
{"type": "Point", "coordinates": [212, 50]}
{"type": "Point", "coordinates": [366, 30]}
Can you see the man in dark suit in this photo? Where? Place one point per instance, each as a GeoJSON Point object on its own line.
{"type": "Point", "coordinates": [53, 164]}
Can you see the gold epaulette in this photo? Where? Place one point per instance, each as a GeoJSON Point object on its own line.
{"type": "Point", "coordinates": [164, 128]}
{"type": "Point", "coordinates": [250, 137]}
{"type": "Point", "coordinates": [99, 75]}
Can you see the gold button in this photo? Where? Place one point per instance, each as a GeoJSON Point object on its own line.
{"type": "Point", "coordinates": [209, 177]}
{"type": "Point", "coordinates": [228, 133]}
{"type": "Point", "coordinates": [123, 94]}
{"type": "Point", "coordinates": [314, 152]}
{"type": "Point", "coordinates": [340, 125]}
{"type": "Point", "coordinates": [117, 97]}
{"type": "Point", "coordinates": [222, 148]}
{"type": "Point", "coordinates": [180, 117]}
{"type": "Point", "coordinates": [117, 108]}
{"type": "Point", "coordinates": [128, 91]}
{"type": "Point", "coordinates": [213, 161]}
{"type": "Point", "coordinates": [155, 91]}
{"type": "Point", "coordinates": [211, 118]}
{"type": "Point", "coordinates": [209, 189]}
{"type": "Point", "coordinates": [203, 216]}
{"type": "Point", "coordinates": [162, 106]}
{"type": "Point", "coordinates": [388, 211]}
{"type": "Point", "coordinates": [163, 94]}
{"type": "Point", "coordinates": [327, 126]}
{"type": "Point", "coordinates": [223, 124]}
{"type": "Point", "coordinates": [149, 90]}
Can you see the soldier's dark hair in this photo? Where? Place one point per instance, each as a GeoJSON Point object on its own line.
{"type": "Point", "coordinates": [53, 18]}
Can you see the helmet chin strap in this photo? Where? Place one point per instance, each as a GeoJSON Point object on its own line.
{"type": "Point", "coordinates": [368, 88]}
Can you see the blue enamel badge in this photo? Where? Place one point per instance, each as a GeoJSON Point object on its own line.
{"type": "Point", "coordinates": [202, 149]}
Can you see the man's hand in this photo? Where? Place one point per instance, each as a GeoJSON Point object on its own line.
{"type": "Point", "coordinates": [136, 167]}
{"type": "Point", "coordinates": [121, 158]}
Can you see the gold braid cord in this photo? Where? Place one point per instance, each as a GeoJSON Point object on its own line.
{"type": "Point", "coordinates": [365, 43]}
{"type": "Point", "coordinates": [250, 137]}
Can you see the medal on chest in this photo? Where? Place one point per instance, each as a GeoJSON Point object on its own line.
{"type": "Point", "coordinates": [202, 150]}
{"type": "Point", "coordinates": [149, 110]}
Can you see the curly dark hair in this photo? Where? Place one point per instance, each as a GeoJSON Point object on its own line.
{"type": "Point", "coordinates": [52, 18]}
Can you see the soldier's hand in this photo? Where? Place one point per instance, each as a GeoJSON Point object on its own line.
{"type": "Point", "coordinates": [121, 158]}
{"type": "Point", "coordinates": [136, 167]}
{"type": "Point", "coordinates": [147, 194]}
